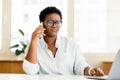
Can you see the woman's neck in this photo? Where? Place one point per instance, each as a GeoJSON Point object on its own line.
{"type": "Point", "coordinates": [50, 40]}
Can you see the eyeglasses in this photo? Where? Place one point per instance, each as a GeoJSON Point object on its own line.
{"type": "Point", "coordinates": [51, 23]}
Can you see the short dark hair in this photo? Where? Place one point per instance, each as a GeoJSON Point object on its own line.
{"type": "Point", "coordinates": [47, 11]}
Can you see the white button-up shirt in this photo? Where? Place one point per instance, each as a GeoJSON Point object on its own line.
{"type": "Point", "coordinates": [68, 59]}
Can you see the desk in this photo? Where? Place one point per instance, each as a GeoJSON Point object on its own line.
{"type": "Point", "coordinates": [40, 77]}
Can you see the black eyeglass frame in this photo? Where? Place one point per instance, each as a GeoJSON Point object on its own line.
{"type": "Point", "coordinates": [51, 23]}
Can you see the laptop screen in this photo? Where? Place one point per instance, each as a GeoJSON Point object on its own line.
{"type": "Point", "coordinates": [115, 68]}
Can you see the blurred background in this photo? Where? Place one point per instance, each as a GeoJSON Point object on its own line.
{"type": "Point", "coordinates": [94, 24]}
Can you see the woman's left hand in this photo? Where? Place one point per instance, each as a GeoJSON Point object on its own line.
{"type": "Point", "coordinates": [96, 72]}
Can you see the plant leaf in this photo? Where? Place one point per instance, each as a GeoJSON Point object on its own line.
{"type": "Point", "coordinates": [23, 50]}
{"type": "Point", "coordinates": [14, 46]}
{"type": "Point", "coordinates": [18, 52]}
{"type": "Point", "coordinates": [24, 46]}
{"type": "Point", "coordinates": [21, 32]}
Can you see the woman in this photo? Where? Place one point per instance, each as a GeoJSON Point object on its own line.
{"type": "Point", "coordinates": [49, 53]}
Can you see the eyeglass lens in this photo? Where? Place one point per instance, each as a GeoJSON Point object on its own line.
{"type": "Point", "coordinates": [51, 23]}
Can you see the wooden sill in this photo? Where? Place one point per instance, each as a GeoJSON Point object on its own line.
{"type": "Point", "coordinates": [11, 57]}
{"type": "Point", "coordinates": [11, 64]}
{"type": "Point", "coordinates": [106, 66]}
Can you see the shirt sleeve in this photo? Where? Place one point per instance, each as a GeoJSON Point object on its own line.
{"type": "Point", "coordinates": [30, 68]}
{"type": "Point", "coordinates": [80, 62]}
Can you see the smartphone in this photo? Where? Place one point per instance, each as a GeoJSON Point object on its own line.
{"type": "Point", "coordinates": [41, 25]}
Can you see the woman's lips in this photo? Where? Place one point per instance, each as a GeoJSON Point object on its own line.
{"type": "Point", "coordinates": [54, 30]}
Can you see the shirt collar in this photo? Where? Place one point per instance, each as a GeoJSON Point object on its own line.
{"type": "Point", "coordinates": [44, 44]}
{"type": "Point", "coordinates": [58, 42]}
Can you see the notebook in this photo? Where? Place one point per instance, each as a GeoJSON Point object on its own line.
{"type": "Point", "coordinates": [114, 73]}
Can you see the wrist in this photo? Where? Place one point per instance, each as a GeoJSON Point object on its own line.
{"type": "Point", "coordinates": [89, 71]}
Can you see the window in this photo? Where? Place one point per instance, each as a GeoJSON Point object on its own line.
{"type": "Point", "coordinates": [96, 25]}
{"type": "Point", "coordinates": [96, 22]}
{"type": "Point", "coordinates": [25, 16]}
{"type": "Point", "coordinates": [0, 23]}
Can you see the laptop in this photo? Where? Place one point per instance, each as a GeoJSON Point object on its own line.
{"type": "Point", "coordinates": [114, 73]}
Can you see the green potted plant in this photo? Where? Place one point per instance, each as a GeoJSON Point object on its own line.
{"type": "Point", "coordinates": [21, 46]}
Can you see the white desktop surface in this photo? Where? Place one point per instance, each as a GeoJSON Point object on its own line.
{"type": "Point", "coordinates": [40, 77]}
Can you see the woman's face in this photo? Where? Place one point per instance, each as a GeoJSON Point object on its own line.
{"type": "Point", "coordinates": [52, 23]}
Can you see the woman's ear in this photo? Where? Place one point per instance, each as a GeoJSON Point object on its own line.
{"type": "Point", "coordinates": [42, 23]}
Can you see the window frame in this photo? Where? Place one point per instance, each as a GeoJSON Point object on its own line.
{"type": "Point", "coordinates": [6, 14]}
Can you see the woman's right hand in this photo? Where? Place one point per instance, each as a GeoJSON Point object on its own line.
{"type": "Point", "coordinates": [32, 52]}
{"type": "Point", "coordinates": [39, 31]}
